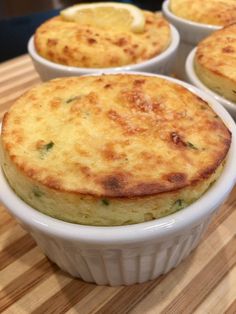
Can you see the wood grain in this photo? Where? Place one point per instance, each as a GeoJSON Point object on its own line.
{"type": "Point", "coordinates": [29, 283]}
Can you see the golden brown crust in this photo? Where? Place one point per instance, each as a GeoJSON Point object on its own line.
{"type": "Point", "coordinates": [68, 43]}
{"type": "Point", "coordinates": [215, 62]}
{"type": "Point", "coordinates": [141, 136]}
{"type": "Point", "coordinates": [213, 12]}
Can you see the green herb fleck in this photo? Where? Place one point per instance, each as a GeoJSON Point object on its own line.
{"type": "Point", "coordinates": [178, 204]}
{"type": "Point", "coordinates": [105, 202]}
{"type": "Point", "coordinates": [71, 99]}
{"type": "Point", "coordinates": [48, 146]}
{"type": "Point", "coordinates": [190, 145]}
{"type": "Point", "coordinates": [45, 149]}
{"type": "Point", "coordinates": [37, 192]}
{"type": "Point", "coordinates": [210, 185]}
{"type": "Point", "coordinates": [86, 115]}
{"type": "Point", "coordinates": [128, 222]}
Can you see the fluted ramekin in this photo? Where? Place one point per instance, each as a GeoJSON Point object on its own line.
{"type": "Point", "coordinates": [195, 80]}
{"type": "Point", "coordinates": [162, 63]}
{"type": "Point", "coordinates": [191, 33]}
{"type": "Point", "coordinates": [124, 255]}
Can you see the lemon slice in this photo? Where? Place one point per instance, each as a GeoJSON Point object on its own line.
{"type": "Point", "coordinates": [106, 15]}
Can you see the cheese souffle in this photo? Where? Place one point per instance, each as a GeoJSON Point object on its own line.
{"type": "Point", "coordinates": [91, 46]}
{"type": "Point", "coordinates": [212, 12]}
{"type": "Point", "coordinates": [112, 149]}
{"type": "Point", "coordinates": [215, 62]}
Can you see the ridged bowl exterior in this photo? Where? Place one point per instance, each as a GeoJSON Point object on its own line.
{"type": "Point", "coordinates": [134, 263]}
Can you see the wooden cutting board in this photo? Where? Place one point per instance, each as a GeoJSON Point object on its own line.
{"type": "Point", "coordinates": [29, 283]}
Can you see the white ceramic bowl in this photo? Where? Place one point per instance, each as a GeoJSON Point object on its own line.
{"type": "Point", "coordinates": [193, 79]}
{"type": "Point", "coordinates": [163, 63]}
{"type": "Point", "coordinates": [191, 33]}
{"type": "Point", "coordinates": [129, 254]}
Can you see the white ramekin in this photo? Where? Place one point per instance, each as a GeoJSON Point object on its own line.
{"type": "Point", "coordinates": [193, 79]}
{"type": "Point", "coordinates": [191, 33]}
{"type": "Point", "coordinates": [129, 254]}
{"type": "Point", "coordinates": [163, 63]}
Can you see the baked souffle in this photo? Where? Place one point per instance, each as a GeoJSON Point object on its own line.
{"type": "Point", "coordinates": [215, 62]}
{"type": "Point", "coordinates": [77, 44]}
{"type": "Point", "coordinates": [112, 149]}
{"type": "Point", "coordinates": [212, 12]}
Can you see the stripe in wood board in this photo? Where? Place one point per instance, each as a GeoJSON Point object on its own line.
{"type": "Point", "coordinates": [221, 297]}
{"type": "Point", "coordinates": [10, 236]}
{"type": "Point", "coordinates": [16, 250]}
{"type": "Point", "coordinates": [94, 300]}
{"type": "Point", "coordinates": [66, 298]}
{"type": "Point", "coordinates": [20, 266]}
{"type": "Point", "coordinates": [15, 64]}
{"type": "Point", "coordinates": [24, 283]}
{"type": "Point", "coordinates": [232, 308]}
{"type": "Point", "coordinates": [13, 77]}
{"type": "Point", "coordinates": [32, 299]}
{"type": "Point", "coordinates": [9, 223]}
{"type": "Point", "coordinates": [198, 289]}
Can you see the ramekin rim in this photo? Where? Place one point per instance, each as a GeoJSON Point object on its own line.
{"type": "Point", "coordinates": [157, 228]}
{"type": "Point", "coordinates": [167, 11]}
{"type": "Point", "coordinates": [175, 40]}
{"type": "Point", "coordinates": [189, 67]}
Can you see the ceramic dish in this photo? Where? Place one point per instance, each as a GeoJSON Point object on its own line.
{"type": "Point", "coordinates": [163, 63]}
{"type": "Point", "coordinates": [193, 79]}
{"type": "Point", "coordinates": [191, 33]}
{"type": "Point", "coordinates": [128, 254]}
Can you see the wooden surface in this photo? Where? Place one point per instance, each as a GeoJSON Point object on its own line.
{"type": "Point", "coordinates": [204, 283]}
